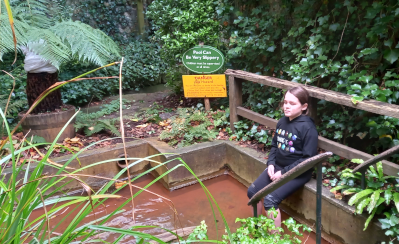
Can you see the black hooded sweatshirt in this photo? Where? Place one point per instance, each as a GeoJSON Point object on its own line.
{"type": "Point", "coordinates": [293, 142]}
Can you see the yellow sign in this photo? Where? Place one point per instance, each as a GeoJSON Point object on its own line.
{"type": "Point", "coordinates": [200, 86]}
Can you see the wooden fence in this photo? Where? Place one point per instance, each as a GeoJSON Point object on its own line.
{"type": "Point", "coordinates": [236, 77]}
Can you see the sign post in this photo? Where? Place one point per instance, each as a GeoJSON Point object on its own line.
{"type": "Point", "coordinates": [204, 60]}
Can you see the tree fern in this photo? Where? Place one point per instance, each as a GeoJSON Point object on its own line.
{"type": "Point", "coordinates": [56, 41]}
{"type": "Point", "coordinates": [36, 13]}
{"type": "Point", "coordinates": [86, 43]}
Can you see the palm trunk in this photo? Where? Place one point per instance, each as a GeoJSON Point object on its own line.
{"type": "Point", "coordinates": [38, 83]}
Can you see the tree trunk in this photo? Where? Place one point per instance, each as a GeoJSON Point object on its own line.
{"type": "Point", "coordinates": [38, 83]}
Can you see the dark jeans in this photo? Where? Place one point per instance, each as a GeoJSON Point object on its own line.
{"type": "Point", "coordinates": [276, 197]}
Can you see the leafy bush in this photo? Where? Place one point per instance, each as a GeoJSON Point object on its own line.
{"type": "Point", "coordinates": [257, 230]}
{"type": "Point", "coordinates": [245, 130]}
{"type": "Point", "coordinates": [82, 92]}
{"type": "Point", "coordinates": [193, 125]}
{"type": "Point", "coordinates": [143, 64]}
{"type": "Point", "coordinates": [142, 67]}
{"type": "Point", "coordinates": [340, 46]}
{"type": "Point", "coordinates": [18, 100]}
{"type": "Point", "coordinates": [180, 25]}
{"type": "Point", "coordinates": [380, 196]}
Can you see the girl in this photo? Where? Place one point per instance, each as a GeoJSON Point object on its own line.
{"type": "Point", "coordinates": [294, 141]}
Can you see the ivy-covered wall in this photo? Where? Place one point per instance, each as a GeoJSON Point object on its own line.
{"type": "Point", "coordinates": [117, 18]}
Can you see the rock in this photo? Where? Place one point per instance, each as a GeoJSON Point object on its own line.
{"type": "Point", "coordinates": [165, 116]}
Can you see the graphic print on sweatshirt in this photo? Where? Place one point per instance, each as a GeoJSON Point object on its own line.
{"type": "Point", "coordinates": [286, 140]}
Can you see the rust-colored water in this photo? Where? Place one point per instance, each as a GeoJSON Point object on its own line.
{"type": "Point", "coordinates": [191, 203]}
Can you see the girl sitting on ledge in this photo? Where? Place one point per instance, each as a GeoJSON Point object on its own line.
{"type": "Point", "coordinates": [294, 141]}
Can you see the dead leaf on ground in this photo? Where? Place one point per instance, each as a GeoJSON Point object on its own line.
{"type": "Point", "coordinates": [119, 184]}
{"type": "Point", "coordinates": [142, 126]}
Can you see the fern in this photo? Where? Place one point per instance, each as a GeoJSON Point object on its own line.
{"type": "Point", "coordinates": [182, 129]}
{"type": "Point", "coordinates": [56, 41]}
{"type": "Point", "coordinates": [94, 127]}
{"type": "Point", "coordinates": [91, 123]}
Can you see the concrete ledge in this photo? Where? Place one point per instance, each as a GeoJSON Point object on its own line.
{"type": "Point", "coordinates": [210, 159]}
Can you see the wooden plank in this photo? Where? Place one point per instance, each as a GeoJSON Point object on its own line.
{"type": "Point", "coordinates": [373, 106]}
{"type": "Point", "coordinates": [258, 118]}
{"type": "Point", "coordinates": [324, 143]}
{"type": "Point", "coordinates": [235, 99]}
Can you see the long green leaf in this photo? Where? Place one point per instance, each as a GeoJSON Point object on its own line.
{"type": "Point", "coordinates": [375, 197]}
{"type": "Point", "coordinates": [339, 188]}
{"type": "Point", "coordinates": [380, 170]}
{"type": "Point", "coordinates": [381, 200]}
{"type": "Point", "coordinates": [362, 204]}
{"type": "Point", "coordinates": [396, 200]}
{"type": "Point", "coordinates": [360, 195]}
{"type": "Point", "coordinates": [388, 195]}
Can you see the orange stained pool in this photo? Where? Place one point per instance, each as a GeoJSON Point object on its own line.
{"type": "Point", "coordinates": [190, 202]}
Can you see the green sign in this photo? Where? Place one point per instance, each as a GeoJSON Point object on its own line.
{"type": "Point", "coordinates": [203, 59]}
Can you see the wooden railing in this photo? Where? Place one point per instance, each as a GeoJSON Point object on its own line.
{"type": "Point", "coordinates": [236, 77]}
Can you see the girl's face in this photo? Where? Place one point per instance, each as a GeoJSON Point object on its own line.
{"type": "Point", "coordinates": [292, 106]}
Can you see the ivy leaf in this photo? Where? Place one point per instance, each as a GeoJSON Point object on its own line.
{"type": "Point", "coordinates": [385, 224]}
{"type": "Point", "coordinates": [271, 49]}
{"type": "Point", "coordinates": [397, 11]}
{"type": "Point", "coordinates": [322, 20]}
{"type": "Point", "coordinates": [322, 57]}
{"type": "Point", "coordinates": [388, 42]}
{"type": "Point", "coordinates": [371, 13]}
{"type": "Point", "coordinates": [356, 99]}
{"type": "Point", "coordinates": [391, 55]}
{"type": "Point", "coordinates": [393, 220]}
{"type": "Point", "coordinates": [356, 87]}
{"type": "Point", "coordinates": [334, 27]}
{"type": "Point", "coordinates": [366, 78]}
{"type": "Point", "coordinates": [367, 51]}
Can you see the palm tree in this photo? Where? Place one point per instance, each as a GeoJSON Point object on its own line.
{"type": "Point", "coordinates": [55, 39]}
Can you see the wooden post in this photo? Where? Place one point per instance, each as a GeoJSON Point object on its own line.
{"type": "Point", "coordinates": [312, 113]}
{"type": "Point", "coordinates": [207, 104]}
{"type": "Point", "coordinates": [235, 99]}
{"type": "Point", "coordinates": [140, 17]}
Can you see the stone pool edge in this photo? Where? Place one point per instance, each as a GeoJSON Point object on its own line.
{"type": "Point", "coordinates": [339, 223]}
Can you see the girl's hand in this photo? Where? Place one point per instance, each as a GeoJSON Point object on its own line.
{"type": "Point", "coordinates": [270, 171]}
{"type": "Point", "coordinates": [276, 176]}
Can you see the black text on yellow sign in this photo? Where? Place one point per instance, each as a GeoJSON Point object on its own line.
{"type": "Point", "coordinates": [200, 86]}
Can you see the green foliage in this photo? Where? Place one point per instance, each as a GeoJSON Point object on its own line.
{"type": "Point", "coordinates": [114, 18]}
{"type": "Point", "coordinates": [190, 126]}
{"type": "Point", "coordinates": [380, 189]}
{"type": "Point", "coordinates": [247, 130]}
{"type": "Point", "coordinates": [302, 42]}
{"type": "Point", "coordinates": [258, 230]}
{"type": "Point", "coordinates": [56, 41]}
{"type": "Point", "coordinates": [91, 122]}
{"type": "Point", "coordinates": [143, 65]}
{"type": "Point", "coordinates": [180, 25]}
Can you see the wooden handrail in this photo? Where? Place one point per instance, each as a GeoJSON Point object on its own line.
{"type": "Point", "coordinates": [376, 159]}
{"type": "Point", "coordinates": [373, 106]}
{"type": "Point", "coordinates": [289, 175]}
{"type": "Point", "coordinates": [324, 143]}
